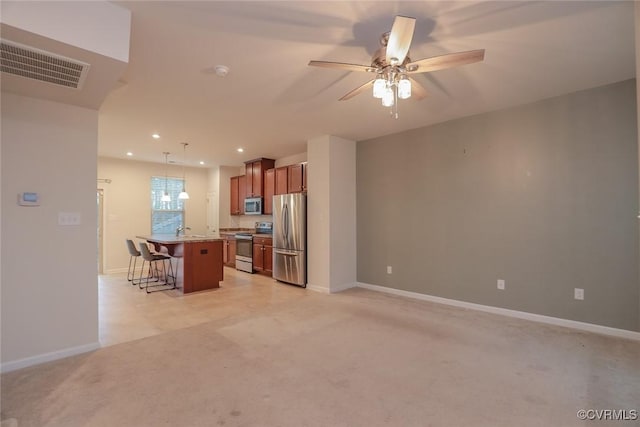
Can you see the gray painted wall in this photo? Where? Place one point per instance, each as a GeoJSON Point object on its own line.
{"type": "Point", "coordinates": [544, 196]}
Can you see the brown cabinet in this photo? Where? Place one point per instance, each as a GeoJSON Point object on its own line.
{"type": "Point", "coordinates": [269, 191]}
{"type": "Point", "coordinates": [229, 251]}
{"type": "Point", "coordinates": [263, 180]}
{"type": "Point", "coordinates": [263, 255]}
{"type": "Point", "coordinates": [255, 170]}
{"type": "Point", "coordinates": [202, 268]}
{"type": "Point", "coordinates": [282, 178]}
{"type": "Point", "coordinates": [296, 179]}
{"type": "Point", "coordinates": [242, 192]}
{"type": "Point", "coordinates": [238, 193]}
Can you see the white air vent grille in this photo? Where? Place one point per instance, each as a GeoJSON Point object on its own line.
{"type": "Point", "coordinates": [39, 65]}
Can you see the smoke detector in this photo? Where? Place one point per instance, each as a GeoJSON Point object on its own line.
{"type": "Point", "coordinates": [221, 70]}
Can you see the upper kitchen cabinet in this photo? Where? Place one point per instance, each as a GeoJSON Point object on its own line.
{"type": "Point", "coordinates": [238, 194]}
{"type": "Point", "coordinates": [269, 190]}
{"type": "Point", "coordinates": [297, 179]}
{"type": "Point", "coordinates": [282, 180]}
{"type": "Point", "coordinates": [255, 170]}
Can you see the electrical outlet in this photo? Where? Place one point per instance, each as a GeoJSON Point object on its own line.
{"type": "Point", "coordinates": [578, 293]}
{"type": "Point", "coordinates": [500, 284]}
{"type": "Point", "coordinates": [389, 269]}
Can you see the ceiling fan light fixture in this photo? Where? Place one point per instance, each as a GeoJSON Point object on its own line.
{"type": "Point", "coordinates": [183, 194]}
{"type": "Point", "coordinates": [379, 86]}
{"type": "Point", "coordinates": [165, 196]}
{"type": "Point", "coordinates": [388, 97]}
{"type": "Point", "coordinates": [404, 88]}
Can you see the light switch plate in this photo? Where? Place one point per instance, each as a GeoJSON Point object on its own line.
{"type": "Point", "coordinates": [69, 218]}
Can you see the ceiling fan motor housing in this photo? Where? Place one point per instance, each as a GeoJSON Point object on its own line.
{"type": "Point", "coordinates": [379, 59]}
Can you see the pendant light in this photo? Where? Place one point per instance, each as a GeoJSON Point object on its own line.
{"type": "Point", "coordinates": [165, 196]}
{"type": "Point", "coordinates": [183, 194]}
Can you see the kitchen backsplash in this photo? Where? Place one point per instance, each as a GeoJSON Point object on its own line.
{"type": "Point", "coordinates": [248, 221]}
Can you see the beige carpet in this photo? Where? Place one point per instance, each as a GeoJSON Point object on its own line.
{"type": "Point", "coordinates": [358, 358]}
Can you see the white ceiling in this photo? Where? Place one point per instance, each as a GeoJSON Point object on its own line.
{"type": "Point", "coordinates": [271, 102]}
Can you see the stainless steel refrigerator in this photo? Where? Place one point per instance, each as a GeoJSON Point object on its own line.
{"type": "Point", "coordinates": [290, 238]}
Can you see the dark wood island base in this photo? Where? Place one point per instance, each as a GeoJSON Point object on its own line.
{"type": "Point", "coordinates": [201, 265]}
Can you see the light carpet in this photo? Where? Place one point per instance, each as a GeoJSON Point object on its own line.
{"type": "Point", "coordinates": [358, 358]}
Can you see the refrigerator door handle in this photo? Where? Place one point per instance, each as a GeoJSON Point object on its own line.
{"type": "Point", "coordinates": [287, 253]}
{"type": "Point", "coordinates": [285, 218]}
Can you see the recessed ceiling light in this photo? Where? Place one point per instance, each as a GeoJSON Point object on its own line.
{"type": "Point", "coordinates": [155, 136]}
{"type": "Point", "coordinates": [129, 153]}
{"type": "Point", "coordinates": [201, 162]}
{"type": "Point", "coordinates": [240, 150]}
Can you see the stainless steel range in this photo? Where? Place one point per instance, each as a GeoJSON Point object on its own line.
{"type": "Point", "coordinates": [244, 246]}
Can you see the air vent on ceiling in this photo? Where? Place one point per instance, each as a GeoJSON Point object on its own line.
{"type": "Point", "coordinates": [32, 63]}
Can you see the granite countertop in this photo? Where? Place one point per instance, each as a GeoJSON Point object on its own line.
{"type": "Point", "coordinates": [252, 232]}
{"type": "Point", "coordinates": [172, 239]}
{"type": "Point", "coordinates": [233, 231]}
{"type": "Point", "coordinates": [228, 233]}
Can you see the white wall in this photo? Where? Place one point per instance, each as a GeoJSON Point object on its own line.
{"type": "Point", "coordinates": [127, 203]}
{"type": "Point", "coordinates": [291, 160]}
{"type": "Point", "coordinates": [213, 201]}
{"type": "Point", "coordinates": [49, 284]}
{"type": "Point", "coordinates": [343, 213]}
{"type": "Point", "coordinates": [96, 26]}
{"type": "Point", "coordinates": [226, 172]}
{"type": "Point", "coordinates": [331, 214]}
{"type": "Point", "coordinates": [637, 27]}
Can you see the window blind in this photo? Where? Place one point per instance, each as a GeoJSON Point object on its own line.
{"type": "Point", "coordinates": [166, 216]}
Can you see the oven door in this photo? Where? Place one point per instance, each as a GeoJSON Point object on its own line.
{"type": "Point", "coordinates": [244, 253]}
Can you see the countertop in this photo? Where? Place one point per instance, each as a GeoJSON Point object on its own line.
{"type": "Point", "coordinates": [252, 232]}
{"type": "Point", "coordinates": [169, 239]}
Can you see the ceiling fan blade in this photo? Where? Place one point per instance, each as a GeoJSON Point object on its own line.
{"type": "Point", "coordinates": [400, 39]}
{"type": "Point", "coordinates": [357, 90]}
{"type": "Point", "coordinates": [341, 66]}
{"type": "Point", "coordinates": [417, 90]}
{"type": "Point", "coordinates": [445, 61]}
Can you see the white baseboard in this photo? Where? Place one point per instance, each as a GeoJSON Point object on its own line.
{"type": "Point", "coordinates": [574, 324]}
{"type": "Point", "coordinates": [47, 357]}
{"type": "Point", "coordinates": [342, 287]}
{"type": "Point", "coordinates": [335, 289]}
{"type": "Point", "coordinates": [320, 289]}
{"type": "Point", "coordinates": [119, 270]}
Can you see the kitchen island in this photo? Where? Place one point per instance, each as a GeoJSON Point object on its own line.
{"type": "Point", "coordinates": [201, 266]}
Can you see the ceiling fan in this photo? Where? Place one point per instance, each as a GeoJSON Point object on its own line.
{"type": "Point", "coordinates": [392, 66]}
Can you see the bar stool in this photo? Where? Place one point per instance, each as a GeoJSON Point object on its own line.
{"type": "Point", "coordinates": [133, 255]}
{"type": "Point", "coordinates": [166, 278]}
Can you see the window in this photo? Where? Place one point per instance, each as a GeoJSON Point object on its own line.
{"type": "Point", "coordinates": [166, 216]}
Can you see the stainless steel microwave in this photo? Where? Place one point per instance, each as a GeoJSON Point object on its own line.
{"type": "Point", "coordinates": [253, 206]}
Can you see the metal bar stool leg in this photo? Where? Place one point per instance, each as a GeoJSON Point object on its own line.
{"type": "Point", "coordinates": [153, 260]}
{"type": "Point", "coordinates": [133, 255]}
